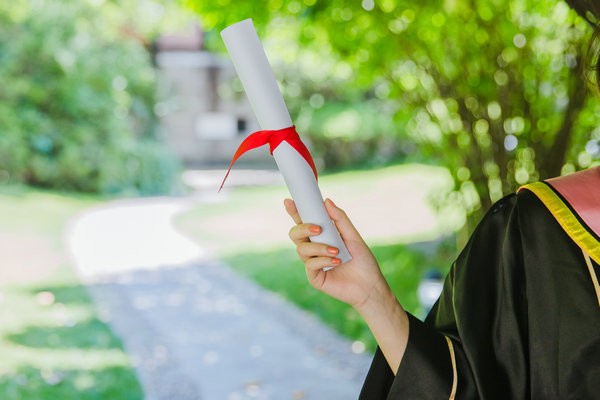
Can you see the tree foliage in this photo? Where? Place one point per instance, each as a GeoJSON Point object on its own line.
{"type": "Point", "coordinates": [76, 102]}
{"type": "Point", "coordinates": [493, 89]}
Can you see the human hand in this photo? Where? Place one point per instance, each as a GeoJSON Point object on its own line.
{"type": "Point", "coordinates": [354, 282]}
{"type": "Point", "coordinates": [358, 282]}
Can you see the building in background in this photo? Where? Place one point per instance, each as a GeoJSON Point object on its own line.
{"type": "Point", "coordinates": [203, 120]}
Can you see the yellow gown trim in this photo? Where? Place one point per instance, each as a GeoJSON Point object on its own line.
{"type": "Point", "coordinates": [592, 275]}
{"type": "Point", "coordinates": [454, 372]}
{"type": "Point", "coordinates": [565, 217]}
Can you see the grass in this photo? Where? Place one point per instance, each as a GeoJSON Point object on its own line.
{"type": "Point", "coordinates": [53, 343]}
{"type": "Point", "coordinates": [253, 218]}
{"type": "Point", "coordinates": [249, 231]}
{"type": "Point", "coordinates": [281, 271]}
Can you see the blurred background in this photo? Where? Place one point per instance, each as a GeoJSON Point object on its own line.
{"type": "Point", "coordinates": [125, 275]}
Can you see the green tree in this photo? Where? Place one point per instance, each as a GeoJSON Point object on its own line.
{"type": "Point", "coordinates": [493, 89]}
{"type": "Point", "coordinates": [76, 102]}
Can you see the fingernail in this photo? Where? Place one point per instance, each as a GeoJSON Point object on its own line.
{"type": "Point", "coordinates": [336, 261]}
{"type": "Point", "coordinates": [315, 229]}
{"type": "Point", "coordinates": [332, 250]}
{"type": "Point", "coordinates": [332, 203]}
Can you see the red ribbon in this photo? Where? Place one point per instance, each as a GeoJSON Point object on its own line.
{"type": "Point", "coordinates": [274, 139]}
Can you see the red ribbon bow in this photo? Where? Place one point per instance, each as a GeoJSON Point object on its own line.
{"type": "Point", "coordinates": [274, 139]}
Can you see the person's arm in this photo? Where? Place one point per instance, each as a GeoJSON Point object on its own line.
{"type": "Point", "coordinates": [474, 342]}
{"type": "Point", "coordinates": [388, 322]}
{"type": "Point", "coordinates": [413, 360]}
{"type": "Point", "coordinates": [461, 349]}
{"type": "Point", "coordinates": [358, 282]}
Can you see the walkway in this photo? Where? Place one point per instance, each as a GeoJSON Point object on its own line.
{"type": "Point", "coordinates": [193, 327]}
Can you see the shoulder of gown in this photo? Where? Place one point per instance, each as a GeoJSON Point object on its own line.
{"type": "Point", "coordinates": [574, 201]}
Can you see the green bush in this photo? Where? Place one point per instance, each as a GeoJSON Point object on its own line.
{"type": "Point", "coordinates": [76, 103]}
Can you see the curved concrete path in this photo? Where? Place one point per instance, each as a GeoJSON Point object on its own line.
{"type": "Point", "coordinates": [193, 327]}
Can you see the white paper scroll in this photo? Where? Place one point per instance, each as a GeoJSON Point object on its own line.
{"type": "Point", "coordinates": [254, 70]}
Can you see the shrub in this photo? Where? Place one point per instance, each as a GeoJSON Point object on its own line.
{"type": "Point", "coordinates": [76, 103]}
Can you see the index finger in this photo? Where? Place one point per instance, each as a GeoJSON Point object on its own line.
{"type": "Point", "coordinates": [291, 209]}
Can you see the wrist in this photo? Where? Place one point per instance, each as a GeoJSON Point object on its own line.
{"type": "Point", "coordinates": [380, 301]}
{"type": "Point", "coordinates": [388, 322]}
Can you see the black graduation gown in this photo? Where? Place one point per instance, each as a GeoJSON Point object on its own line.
{"type": "Point", "coordinates": [518, 318]}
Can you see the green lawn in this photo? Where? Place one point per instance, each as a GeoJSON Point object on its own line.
{"type": "Point", "coordinates": [281, 271]}
{"type": "Point", "coordinates": [53, 344]}
{"type": "Point", "coordinates": [248, 230]}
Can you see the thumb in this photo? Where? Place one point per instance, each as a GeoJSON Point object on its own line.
{"type": "Point", "coordinates": [342, 222]}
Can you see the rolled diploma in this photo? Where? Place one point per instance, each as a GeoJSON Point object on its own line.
{"type": "Point", "coordinates": [254, 70]}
